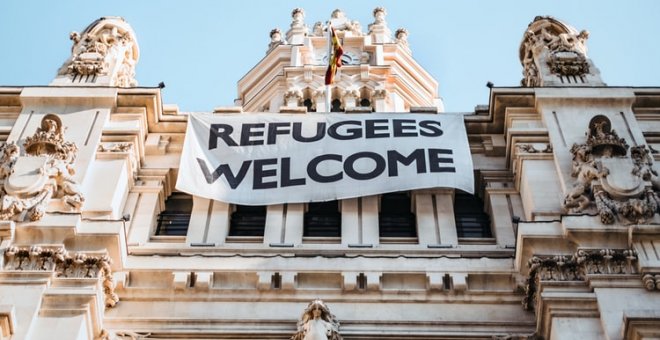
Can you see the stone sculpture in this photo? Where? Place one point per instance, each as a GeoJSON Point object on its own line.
{"type": "Point", "coordinates": [562, 48]}
{"type": "Point", "coordinates": [106, 47]}
{"type": "Point", "coordinates": [317, 323]}
{"type": "Point", "coordinates": [620, 186]}
{"type": "Point", "coordinates": [30, 181]}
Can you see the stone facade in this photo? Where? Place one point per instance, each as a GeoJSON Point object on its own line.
{"type": "Point", "coordinates": [566, 208]}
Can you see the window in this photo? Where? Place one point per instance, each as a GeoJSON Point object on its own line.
{"type": "Point", "coordinates": [248, 220]}
{"type": "Point", "coordinates": [174, 220]}
{"type": "Point", "coordinates": [322, 219]}
{"type": "Point", "coordinates": [395, 218]}
{"type": "Point", "coordinates": [335, 106]}
{"type": "Point", "coordinates": [471, 220]}
{"type": "Point", "coordinates": [310, 105]}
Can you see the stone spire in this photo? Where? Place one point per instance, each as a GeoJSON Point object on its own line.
{"type": "Point", "coordinates": [553, 53]}
{"type": "Point", "coordinates": [104, 54]}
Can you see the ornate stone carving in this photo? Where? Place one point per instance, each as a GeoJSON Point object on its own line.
{"type": "Point", "coordinates": [619, 186]}
{"type": "Point", "coordinates": [651, 281]}
{"type": "Point", "coordinates": [317, 323]}
{"type": "Point", "coordinates": [317, 29]}
{"type": "Point", "coordinates": [379, 15]}
{"type": "Point", "coordinates": [577, 267]}
{"type": "Point", "coordinates": [293, 97]}
{"type": "Point", "coordinates": [107, 46]}
{"type": "Point", "coordinates": [378, 29]}
{"type": "Point", "coordinates": [561, 47]}
{"type": "Point", "coordinates": [379, 94]}
{"type": "Point", "coordinates": [531, 148]}
{"type": "Point", "coordinates": [129, 335]}
{"type": "Point", "coordinates": [275, 38]}
{"type": "Point", "coordinates": [298, 18]}
{"type": "Point", "coordinates": [518, 337]}
{"type": "Point", "coordinates": [568, 63]}
{"type": "Point", "coordinates": [115, 147]}
{"type": "Point", "coordinates": [401, 36]}
{"type": "Point", "coordinates": [341, 23]}
{"type": "Point", "coordinates": [531, 76]}
{"type": "Point", "coordinates": [30, 181]}
{"type": "Point", "coordinates": [33, 258]}
{"type": "Point", "coordinates": [79, 265]}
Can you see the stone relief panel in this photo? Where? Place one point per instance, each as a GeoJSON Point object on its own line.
{"type": "Point", "coordinates": [577, 267]}
{"type": "Point", "coordinates": [64, 265]}
{"type": "Point", "coordinates": [106, 47]}
{"type": "Point", "coordinates": [617, 185]}
{"type": "Point", "coordinates": [29, 182]}
{"type": "Point", "coordinates": [317, 323]}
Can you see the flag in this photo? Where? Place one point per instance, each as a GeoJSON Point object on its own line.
{"type": "Point", "coordinates": [334, 57]}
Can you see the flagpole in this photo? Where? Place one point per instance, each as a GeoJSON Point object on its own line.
{"type": "Point", "coordinates": [328, 87]}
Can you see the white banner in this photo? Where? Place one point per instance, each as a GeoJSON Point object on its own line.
{"type": "Point", "coordinates": [257, 159]}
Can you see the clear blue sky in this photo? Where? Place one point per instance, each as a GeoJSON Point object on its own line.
{"type": "Point", "coordinates": [200, 49]}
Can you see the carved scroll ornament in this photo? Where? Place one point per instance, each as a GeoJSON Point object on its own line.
{"type": "Point", "coordinates": [29, 182]}
{"type": "Point", "coordinates": [317, 323]}
{"type": "Point", "coordinates": [618, 186]}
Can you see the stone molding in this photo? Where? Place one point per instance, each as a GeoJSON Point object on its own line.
{"type": "Point", "coordinates": [64, 265]}
{"type": "Point", "coordinates": [576, 267]}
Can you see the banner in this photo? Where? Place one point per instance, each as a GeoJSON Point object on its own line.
{"type": "Point", "coordinates": [255, 159]}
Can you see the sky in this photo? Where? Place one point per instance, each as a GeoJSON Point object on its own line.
{"type": "Point", "coordinates": [200, 49]}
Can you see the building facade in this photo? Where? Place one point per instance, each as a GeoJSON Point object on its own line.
{"type": "Point", "coordinates": [560, 239]}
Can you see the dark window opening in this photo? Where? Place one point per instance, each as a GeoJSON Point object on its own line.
{"type": "Point", "coordinates": [276, 281]}
{"type": "Point", "coordinates": [361, 281]}
{"type": "Point", "coordinates": [395, 218]}
{"type": "Point", "coordinates": [310, 105]}
{"type": "Point", "coordinates": [335, 106]}
{"type": "Point", "coordinates": [174, 220]}
{"type": "Point", "coordinates": [471, 220]}
{"type": "Point", "coordinates": [248, 220]}
{"type": "Point", "coordinates": [365, 102]}
{"type": "Point", "coordinates": [322, 219]}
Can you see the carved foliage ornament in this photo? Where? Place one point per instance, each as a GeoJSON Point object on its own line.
{"type": "Point", "coordinates": [576, 268]}
{"type": "Point", "coordinates": [618, 186]}
{"type": "Point", "coordinates": [317, 323]}
{"type": "Point", "coordinates": [64, 265]}
{"type": "Point", "coordinates": [29, 182]}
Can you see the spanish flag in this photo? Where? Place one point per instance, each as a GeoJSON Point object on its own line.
{"type": "Point", "coordinates": [334, 61]}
